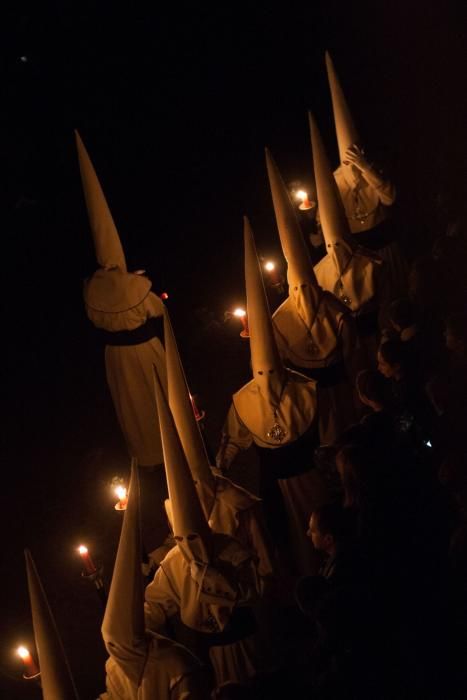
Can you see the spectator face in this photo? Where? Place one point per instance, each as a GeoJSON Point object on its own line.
{"type": "Point", "coordinates": [319, 540]}
{"type": "Point", "coordinates": [385, 368]}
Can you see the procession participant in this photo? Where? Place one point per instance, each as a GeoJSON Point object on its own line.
{"type": "Point", "coordinates": [229, 508]}
{"type": "Point", "coordinates": [142, 665]}
{"type": "Point", "coordinates": [364, 191]}
{"type": "Point", "coordinates": [55, 674]}
{"type": "Point", "coordinates": [130, 321]}
{"type": "Point", "coordinates": [208, 579]}
{"type": "Point", "coordinates": [357, 277]}
{"type": "Point", "coordinates": [277, 411]}
{"type": "Point", "coordinates": [315, 332]}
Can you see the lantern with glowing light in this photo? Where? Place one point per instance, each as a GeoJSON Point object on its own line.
{"type": "Point", "coordinates": [242, 315]}
{"type": "Point", "coordinates": [31, 670]}
{"type": "Point", "coordinates": [305, 203]}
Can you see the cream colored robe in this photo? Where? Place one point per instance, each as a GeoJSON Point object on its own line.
{"type": "Point", "coordinates": [205, 603]}
{"type": "Point", "coordinates": [365, 208]}
{"type": "Point", "coordinates": [249, 419]}
{"type": "Point", "coordinates": [237, 512]}
{"type": "Point", "coordinates": [168, 672]}
{"type": "Point", "coordinates": [332, 340]}
{"type": "Point", "coordinates": [365, 197]}
{"type": "Point", "coordinates": [130, 377]}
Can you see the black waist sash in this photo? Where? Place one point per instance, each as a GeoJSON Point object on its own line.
{"type": "Point", "coordinates": [291, 459]}
{"type": "Point", "coordinates": [153, 328]}
{"type": "Point", "coordinates": [326, 377]}
{"type": "Point", "coordinates": [367, 323]}
{"type": "Point", "coordinates": [375, 238]}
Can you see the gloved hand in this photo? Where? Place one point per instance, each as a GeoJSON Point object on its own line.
{"type": "Point", "coordinates": [355, 155]}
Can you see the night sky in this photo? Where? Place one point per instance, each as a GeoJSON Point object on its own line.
{"type": "Point", "coordinates": [175, 106]}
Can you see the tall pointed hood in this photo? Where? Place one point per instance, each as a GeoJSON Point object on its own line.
{"type": "Point", "coordinates": [185, 422]}
{"type": "Point", "coordinates": [331, 210]}
{"type": "Point", "coordinates": [56, 678]}
{"type": "Point", "coordinates": [189, 524]}
{"type": "Point", "coordinates": [109, 251]}
{"type": "Point", "coordinates": [268, 371]}
{"type": "Point", "coordinates": [303, 286]}
{"type": "Point", "coordinates": [345, 127]}
{"type": "Point", "coordinates": [123, 628]}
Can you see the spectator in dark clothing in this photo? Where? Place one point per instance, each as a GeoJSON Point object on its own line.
{"type": "Point", "coordinates": [409, 403]}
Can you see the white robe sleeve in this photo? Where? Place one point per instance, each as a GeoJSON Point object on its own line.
{"type": "Point", "coordinates": [161, 601]}
{"type": "Point", "coordinates": [235, 437]}
{"type": "Point", "coordinates": [385, 189]}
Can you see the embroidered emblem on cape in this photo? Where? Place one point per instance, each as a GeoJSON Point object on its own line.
{"type": "Point", "coordinates": [276, 433]}
{"type": "Point", "coordinates": [311, 347]}
{"type": "Point", "coordinates": [343, 296]}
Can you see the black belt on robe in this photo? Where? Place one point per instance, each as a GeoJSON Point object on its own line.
{"type": "Point", "coordinates": [367, 323]}
{"type": "Point", "coordinates": [375, 238]}
{"type": "Point", "coordinates": [153, 328]}
{"type": "Point", "coordinates": [326, 377]}
{"type": "Point", "coordinates": [291, 459]}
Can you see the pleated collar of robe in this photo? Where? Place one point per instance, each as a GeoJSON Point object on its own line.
{"type": "Point", "coordinates": [359, 281]}
{"type": "Point", "coordinates": [317, 346]}
{"type": "Point", "coordinates": [294, 414]}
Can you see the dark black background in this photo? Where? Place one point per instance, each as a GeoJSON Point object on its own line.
{"type": "Point", "coordinates": [175, 106]}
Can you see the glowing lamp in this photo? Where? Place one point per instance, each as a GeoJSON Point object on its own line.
{"type": "Point", "coordinates": [271, 269]}
{"type": "Point", "coordinates": [122, 495]}
{"type": "Point", "coordinates": [31, 669]}
{"type": "Point", "coordinates": [242, 315]}
{"type": "Point", "coordinates": [86, 559]}
{"type": "Point", "coordinates": [164, 296]}
{"type": "Point", "coordinates": [305, 202]}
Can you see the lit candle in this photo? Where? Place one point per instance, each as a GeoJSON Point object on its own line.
{"type": "Point", "coordinates": [30, 667]}
{"type": "Point", "coordinates": [87, 561]}
{"type": "Point", "coordinates": [122, 496]}
{"type": "Point", "coordinates": [271, 269]}
{"type": "Point", "coordinates": [164, 296]}
{"type": "Point", "coordinates": [241, 314]}
{"type": "Point", "coordinates": [305, 202]}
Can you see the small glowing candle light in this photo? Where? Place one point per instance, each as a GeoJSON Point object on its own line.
{"type": "Point", "coordinates": [305, 202]}
{"type": "Point", "coordinates": [271, 269]}
{"type": "Point", "coordinates": [241, 314]}
{"type": "Point", "coordinates": [164, 296]}
{"type": "Point", "coordinates": [87, 561]}
{"type": "Point", "coordinates": [122, 495]}
{"type": "Point", "coordinates": [30, 667]}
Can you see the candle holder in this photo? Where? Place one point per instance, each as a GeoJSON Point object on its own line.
{"type": "Point", "coordinates": [96, 578]}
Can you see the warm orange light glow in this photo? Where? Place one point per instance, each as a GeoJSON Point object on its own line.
{"type": "Point", "coordinates": [302, 195]}
{"type": "Point", "coordinates": [239, 313]}
{"type": "Point", "coordinates": [121, 492]}
{"type": "Point", "coordinates": [269, 266]}
{"type": "Point", "coordinates": [82, 549]}
{"type": "Point", "coordinates": [23, 653]}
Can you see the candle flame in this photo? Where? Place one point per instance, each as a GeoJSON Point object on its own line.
{"type": "Point", "coordinates": [301, 194]}
{"type": "Point", "coordinates": [82, 549]}
{"type": "Point", "coordinates": [269, 266]}
{"type": "Point", "coordinates": [23, 652]}
{"type": "Point", "coordinates": [121, 492]}
{"type": "Point", "coordinates": [239, 313]}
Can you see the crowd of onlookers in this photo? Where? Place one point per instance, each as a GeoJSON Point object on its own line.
{"type": "Point", "coordinates": [386, 617]}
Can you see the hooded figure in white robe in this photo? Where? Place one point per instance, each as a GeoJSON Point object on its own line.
{"type": "Point", "coordinates": [208, 579]}
{"type": "Point", "coordinates": [277, 411]}
{"type": "Point", "coordinates": [142, 665]}
{"type": "Point", "coordinates": [354, 275]}
{"type": "Point", "coordinates": [314, 331]}
{"type": "Point", "coordinates": [228, 508]}
{"type": "Point", "coordinates": [55, 674]}
{"type": "Point", "coordinates": [366, 194]}
{"type": "Point", "coordinates": [130, 317]}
